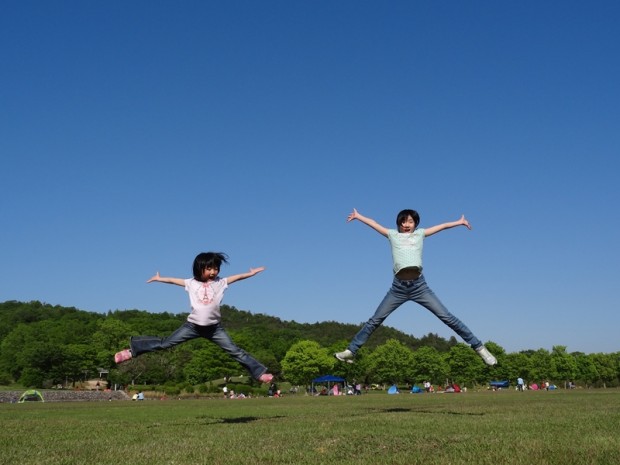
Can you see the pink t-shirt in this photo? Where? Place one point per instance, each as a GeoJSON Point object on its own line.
{"type": "Point", "coordinates": [205, 300]}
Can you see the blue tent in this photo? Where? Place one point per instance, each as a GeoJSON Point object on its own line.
{"type": "Point", "coordinates": [500, 384]}
{"type": "Point", "coordinates": [329, 380]}
{"type": "Point", "coordinates": [393, 389]}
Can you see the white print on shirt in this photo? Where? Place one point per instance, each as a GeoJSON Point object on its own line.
{"type": "Point", "coordinates": [406, 240]}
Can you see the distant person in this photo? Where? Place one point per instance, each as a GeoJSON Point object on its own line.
{"type": "Point", "coordinates": [520, 384]}
{"type": "Point", "coordinates": [409, 284]}
{"type": "Point", "coordinates": [206, 291]}
{"type": "Point", "coordinates": [273, 390]}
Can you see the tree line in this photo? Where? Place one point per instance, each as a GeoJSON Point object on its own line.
{"type": "Point", "coordinates": [43, 346]}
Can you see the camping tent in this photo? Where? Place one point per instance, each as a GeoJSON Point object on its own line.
{"type": "Point", "coordinates": [32, 395]}
{"type": "Point", "coordinates": [453, 388]}
{"type": "Point", "coordinates": [329, 380]}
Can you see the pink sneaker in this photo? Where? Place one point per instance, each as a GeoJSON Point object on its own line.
{"type": "Point", "coordinates": [122, 356]}
{"type": "Point", "coordinates": [265, 378]}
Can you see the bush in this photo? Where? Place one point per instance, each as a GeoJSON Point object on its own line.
{"type": "Point", "coordinates": [5, 379]}
{"type": "Point", "coordinates": [32, 378]}
{"type": "Point", "coordinates": [188, 388]}
{"type": "Point", "coordinates": [204, 388]}
{"type": "Point", "coordinates": [171, 390]}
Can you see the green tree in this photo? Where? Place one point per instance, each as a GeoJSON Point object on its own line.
{"type": "Point", "coordinates": [516, 365]}
{"type": "Point", "coordinates": [306, 360]}
{"type": "Point", "coordinates": [586, 369]}
{"type": "Point", "coordinates": [77, 362]}
{"type": "Point", "coordinates": [29, 346]}
{"type": "Point", "coordinates": [541, 365]}
{"type": "Point", "coordinates": [111, 336]}
{"type": "Point", "coordinates": [391, 362]}
{"type": "Point", "coordinates": [564, 364]}
{"type": "Point", "coordinates": [211, 362]}
{"type": "Point", "coordinates": [428, 365]}
{"type": "Point", "coordinates": [607, 369]}
{"type": "Point", "coordinates": [465, 367]}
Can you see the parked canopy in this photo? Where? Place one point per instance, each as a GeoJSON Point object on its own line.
{"type": "Point", "coordinates": [329, 380]}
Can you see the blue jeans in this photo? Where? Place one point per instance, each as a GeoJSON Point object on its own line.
{"type": "Point", "coordinates": [417, 291]}
{"type": "Point", "coordinates": [215, 333]}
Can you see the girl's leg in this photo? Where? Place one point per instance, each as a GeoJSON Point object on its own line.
{"type": "Point", "coordinates": [426, 297]}
{"type": "Point", "coordinates": [142, 344]}
{"type": "Point", "coordinates": [218, 335]}
{"type": "Point", "coordinates": [394, 298]}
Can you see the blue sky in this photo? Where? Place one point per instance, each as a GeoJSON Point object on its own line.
{"type": "Point", "coordinates": [135, 135]}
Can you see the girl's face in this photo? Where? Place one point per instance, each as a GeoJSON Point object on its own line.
{"type": "Point", "coordinates": [210, 273]}
{"type": "Point", "coordinates": [408, 225]}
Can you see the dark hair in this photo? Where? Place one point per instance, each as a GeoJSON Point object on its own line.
{"type": "Point", "coordinates": [206, 260]}
{"type": "Point", "coordinates": [404, 214]}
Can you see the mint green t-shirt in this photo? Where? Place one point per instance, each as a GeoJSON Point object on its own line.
{"type": "Point", "coordinates": [406, 248]}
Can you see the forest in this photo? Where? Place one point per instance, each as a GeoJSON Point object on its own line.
{"type": "Point", "coordinates": [46, 346]}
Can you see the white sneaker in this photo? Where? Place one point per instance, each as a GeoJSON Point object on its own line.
{"type": "Point", "coordinates": [487, 356]}
{"type": "Point", "coordinates": [345, 356]}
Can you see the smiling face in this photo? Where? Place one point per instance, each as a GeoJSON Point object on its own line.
{"type": "Point", "coordinates": [407, 221]}
{"type": "Point", "coordinates": [209, 273]}
{"type": "Point", "coordinates": [407, 225]}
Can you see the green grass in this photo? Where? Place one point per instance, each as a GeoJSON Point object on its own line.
{"type": "Point", "coordinates": [506, 427]}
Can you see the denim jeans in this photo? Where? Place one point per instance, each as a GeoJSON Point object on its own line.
{"type": "Point", "coordinates": [215, 333]}
{"type": "Point", "coordinates": [417, 291]}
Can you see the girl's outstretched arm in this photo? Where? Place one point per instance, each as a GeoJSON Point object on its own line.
{"type": "Point", "coordinates": [368, 221]}
{"type": "Point", "coordinates": [161, 279]}
{"type": "Point", "coordinates": [249, 274]}
{"type": "Point", "coordinates": [440, 227]}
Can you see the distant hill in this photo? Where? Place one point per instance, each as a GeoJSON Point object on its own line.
{"type": "Point", "coordinates": [267, 331]}
{"type": "Point", "coordinates": [325, 333]}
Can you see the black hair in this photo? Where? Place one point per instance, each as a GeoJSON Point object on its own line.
{"type": "Point", "coordinates": [404, 214]}
{"type": "Point", "coordinates": [206, 260]}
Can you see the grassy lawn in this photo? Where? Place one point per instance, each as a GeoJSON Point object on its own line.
{"type": "Point", "coordinates": [505, 427]}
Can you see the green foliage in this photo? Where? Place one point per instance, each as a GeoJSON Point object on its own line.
{"type": "Point", "coordinates": [208, 363]}
{"type": "Point", "coordinates": [32, 377]}
{"type": "Point", "coordinates": [306, 360]}
{"type": "Point", "coordinates": [188, 388]}
{"type": "Point", "coordinates": [42, 345]}
{"type": "Point", "coordinates": [5, 379]}
{"type": "Point", "coordinates": [391, 363]}
{"type": "Point", "coordinates": [428, 365]}
{"type": "Point", "coordinates": [465, 367]}
{"type": "Point", "coordinates": [564, 365]}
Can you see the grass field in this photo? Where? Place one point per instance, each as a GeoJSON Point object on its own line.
{"type": "Point", "coordinates": [504, 427]}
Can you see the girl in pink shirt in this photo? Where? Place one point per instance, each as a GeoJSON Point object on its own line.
{"type": "Point", "coordinates": [206, 291]}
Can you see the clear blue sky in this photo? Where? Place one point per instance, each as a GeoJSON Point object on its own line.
{"type": "Point", "coordinates": [136, 134]}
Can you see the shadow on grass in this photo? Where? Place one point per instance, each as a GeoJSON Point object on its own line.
{"type": "Point", "coordinates": [231, 421]}
{"type": "Point", "coordinates": [206, 421]}
{"type": "Point", "coordinates": [434, 412]}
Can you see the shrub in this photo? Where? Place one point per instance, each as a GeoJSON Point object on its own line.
{"type": "Point", "coordinates": [5, 379]}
